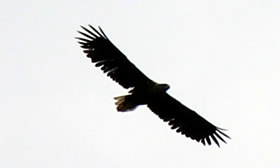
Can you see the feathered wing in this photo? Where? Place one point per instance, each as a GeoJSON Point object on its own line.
{"type": "Point", "coordinates": [185, 120]}
{"type": "Point", "coordinates": [112, 61]}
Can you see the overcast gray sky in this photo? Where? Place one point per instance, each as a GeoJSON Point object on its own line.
{"type": "Point", "coordinates": [221, 59]}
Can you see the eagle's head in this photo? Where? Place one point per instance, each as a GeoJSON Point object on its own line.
{"type": "Point", "coordinates": [163, 87]}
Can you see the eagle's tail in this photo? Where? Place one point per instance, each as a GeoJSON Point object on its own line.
{"type": "Point", "coordinates": [126, 103]}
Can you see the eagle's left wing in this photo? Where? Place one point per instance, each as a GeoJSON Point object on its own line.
{"type": "Point", "coordinates": [112, 61]}
{"type": "Point", "coordinates": [185, 120]}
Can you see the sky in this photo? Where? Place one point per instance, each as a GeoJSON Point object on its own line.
{"type": "Point", "coordinates": [220, 57]}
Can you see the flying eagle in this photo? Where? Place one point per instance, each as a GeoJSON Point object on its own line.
{"type": "Point", "coordinates": [144, 91]}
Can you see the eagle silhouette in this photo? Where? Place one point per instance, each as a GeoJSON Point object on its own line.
{"type": "Point", "coordinates": [144, 91]}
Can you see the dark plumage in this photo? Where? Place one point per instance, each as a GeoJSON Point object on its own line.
{"type": "Point", "coordinates": [144, 91]}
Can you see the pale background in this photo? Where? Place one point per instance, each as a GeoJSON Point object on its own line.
{"type": "Point", "coordinates": [220, 57]}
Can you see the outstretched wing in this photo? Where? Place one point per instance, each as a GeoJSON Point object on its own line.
{"type": "Point", "coordinates": [104, 54]}
{"type": "Point", "coordinates": [185, 120]}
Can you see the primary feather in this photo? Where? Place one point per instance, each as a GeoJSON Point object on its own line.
{"type": "Point", "coordinates": [144, 91]}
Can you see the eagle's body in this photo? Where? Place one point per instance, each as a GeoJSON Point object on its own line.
{"type": "Point", "coordinates": [140, 97]}
{"type": "Point", "coordinates": [144, 91]}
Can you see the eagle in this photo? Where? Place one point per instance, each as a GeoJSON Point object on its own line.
{"type": "Point", "coordinates": [144, 91]}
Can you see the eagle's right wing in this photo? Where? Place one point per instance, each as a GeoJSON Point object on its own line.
{"type": "Point", "coordinates": [112, 61]}
{"type": "Point", "coordinates": [185, 120]}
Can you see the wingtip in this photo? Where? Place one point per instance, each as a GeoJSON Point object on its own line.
{"type": "Point", "coordinates": [220, 130]}
{"type": "Point", "coordinates": [102, 32]}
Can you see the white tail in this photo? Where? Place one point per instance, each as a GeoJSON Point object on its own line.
{"type": "Point", "coordinates": [125, 103]}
